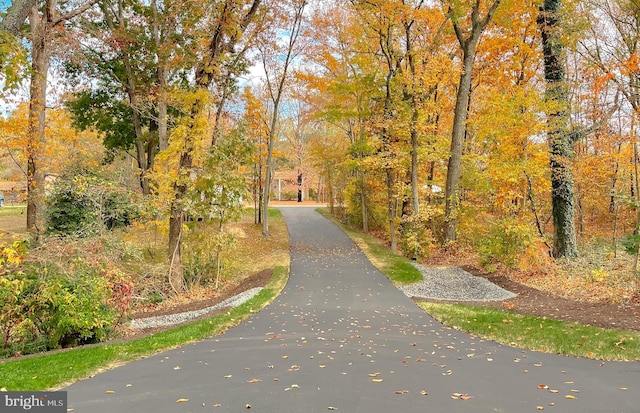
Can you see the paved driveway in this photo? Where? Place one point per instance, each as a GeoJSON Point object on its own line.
{"type": "Point", "coordinates": [341, 337]}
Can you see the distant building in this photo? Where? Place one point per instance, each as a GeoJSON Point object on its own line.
{"type": "Point", "coordinates": [13, 192]}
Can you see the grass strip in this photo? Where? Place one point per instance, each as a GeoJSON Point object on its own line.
{"type": "Point", "coordinates": [536, 333]}
{"type": "Point", "coordinates": [397, 268]}
{"type": "Point", "coordinates": [55, 370]}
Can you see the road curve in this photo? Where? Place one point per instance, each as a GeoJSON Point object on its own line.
{"type": "Point", "coordinates": [341, 337]}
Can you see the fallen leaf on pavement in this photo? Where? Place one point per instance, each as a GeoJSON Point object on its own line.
{"type": "Point", "coordinates": [461, 396]}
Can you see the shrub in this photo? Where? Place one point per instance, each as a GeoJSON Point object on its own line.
{"type": "Point", "coordinates": [506, 241]}
{"type": "Point", "coordinates": [83, 204]}
{"type": "Point", "coordinates": [416, 236]}
{"type": "Point", "coordinates": [55, 306]}
{"type": "Point", "coordinates": [64, 311]}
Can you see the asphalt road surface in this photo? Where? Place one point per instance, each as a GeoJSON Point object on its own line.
{"type": "Point", "coordinates": [342, 338]}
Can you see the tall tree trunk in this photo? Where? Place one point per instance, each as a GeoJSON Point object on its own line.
{"type": "Point", "coordinates": [37, 117]}
{"type": "Point", "coordinates": [452, 195]}
{"type": "Point", "coordinates": [267, 180]}
{"type": "Point", "coordinates": [411, 95]}
{"type": "Point", "coordinates": [176, 222]}
{"type": "Point", "coordinates": [141, 143]}
{"type": "Point", "coordinates": [362, 181]}
{"type": "Point", "coordinates": [468, 45]}
{"type": "Point", "coordinates": [363, 202]}
{"type": "Point", "coordinates": [559, 137]}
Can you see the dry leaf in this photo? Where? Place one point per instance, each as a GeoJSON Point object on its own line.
{"type": "Point", "coordinates": [182, 400]}
{"type": "Point", "coordinates": [543, 386]}
{"type": "Point", "coordinates": [570, 396]}
{"type": "Point", "coordinates": [540, 407]}
{"type": "Point", "coordinates": [254, 381]}
{"type": "Point", "coordinates": [110, 392]}
{"type": "Point", "coordinates": [376, 380]}
{"type": "Point", "coordinates": [461, 396]}
{"type": "Point", "coordinates": [402, 391]}
{"type": "Point", "coordinates": [423, 392]}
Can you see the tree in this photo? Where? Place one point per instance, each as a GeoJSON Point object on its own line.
{"type": "Point", "coordinates": [468, 39]}
{"type": "Point", "coordinates": [225, 29]}
{"type": "Point", "coordinates": [257, 129]}
{"type": "Point", "coordinates": [127, 101]}
{"type": "Point", "coordinates": [45, 26]}
{"type": "Point", "coordinates": [277, 76]}
{"type": "Point", "coordinates": [559, 137]}
{"type": "Point", "coordinates": [345, 91]}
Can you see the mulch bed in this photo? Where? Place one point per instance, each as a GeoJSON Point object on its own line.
{"type": "Point", "coordinates": [531, 301]}
{"type": "Point", "coordinates": [259, 279]}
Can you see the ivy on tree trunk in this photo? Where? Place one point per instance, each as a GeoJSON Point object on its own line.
{"type": "Point", "coordinates": [560, 138]}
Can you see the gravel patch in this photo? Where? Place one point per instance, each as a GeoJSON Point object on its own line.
{"type": "Point", "coordinates": [454, 284]}
{"type": "Point", "coordinates": [172, 319]}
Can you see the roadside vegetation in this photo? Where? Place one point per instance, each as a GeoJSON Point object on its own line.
{"type": "Point", "coordinates": [53, 369]}
{"type": "Point", "coordinates": [506, 327]}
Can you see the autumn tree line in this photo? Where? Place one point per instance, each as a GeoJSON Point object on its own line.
{"type": "Point", "coordinates": [506, 126]}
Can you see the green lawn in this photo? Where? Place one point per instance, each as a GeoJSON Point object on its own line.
{"type": "Point", "coordinates": [536, 333]}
